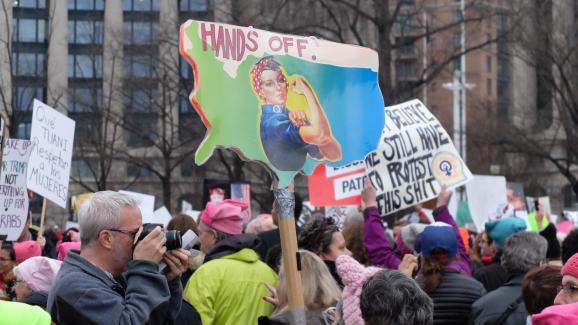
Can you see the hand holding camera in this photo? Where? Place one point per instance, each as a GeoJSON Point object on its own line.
{"type": "Point", "coordinates": [150, 245]}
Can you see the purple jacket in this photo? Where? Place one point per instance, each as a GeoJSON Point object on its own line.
{"type": "Point", "coordinates": [381, 254]}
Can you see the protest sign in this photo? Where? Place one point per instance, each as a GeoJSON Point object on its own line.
{"type": "Point", "coordinates": [241, 191]}
{"type": "Point", "coordinates": [13, 194]}
{"type": "Point", "coordinates": [52, 136]}
{"type": "Point", "coordinates": [325, 90]}
{"type": "Point", "coordinates": [193, 214]}
{"type": "Point", "coordinates": [334, 186]}
{"type": "Point", "coordinates": [161, 216]}
{"type": "Point", "coordinates": [185, 206]}
{"type": "Point", "coordinates": [338, 214]}
{"type": "Point", "coordinates": [71, 224]}
{"type": "Point", "coordinates": [485, 194]}
{"type": "Point", "coordinates": [146, 204]}
{"type": "Point", "coordinates": [515, 195]}
{"type": "Point", "coordinates": [414, 158]}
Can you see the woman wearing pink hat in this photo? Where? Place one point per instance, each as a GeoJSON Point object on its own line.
{"type": "Point", "coordinates": [34, 278]}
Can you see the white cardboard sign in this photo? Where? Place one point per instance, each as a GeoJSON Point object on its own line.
{"type": "Point", "coordinates": [485, 194]}
{"type": "Point", "coordinates": [52, 137]}
{"type": "Point", "coordinates": [414, 158]}
{"type": "Point", "coordinates": [146, 204]}
{"type": "Point", "coordinates": [13, 194]}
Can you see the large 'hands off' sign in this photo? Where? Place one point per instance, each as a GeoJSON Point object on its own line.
{"type": "Point", "coordinates": [288, 101]}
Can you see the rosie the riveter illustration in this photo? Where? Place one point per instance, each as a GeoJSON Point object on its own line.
{"type": "Point", "coordinates": [287, 136]}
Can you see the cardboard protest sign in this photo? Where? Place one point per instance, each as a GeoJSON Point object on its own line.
{"type": "Point", "coordinates": [13, 194]}
{"type": "Point", "coordinates": [515, 195]}
{"type": "Point", "coordinates": [161, 216]}
{"type": "Point", "coordinates": [287, 101]}
{"type": "Point", "coordinates": [241, 191]}
{"type": "Point", "coordinates": [146, 204]}
{"type": "Point", "coordinates": [76, 202]}
{"type": "Point", "coordinates": [185, 206]}
{"type": "Point", "coordinates": [414, 158]}
{"type": "Point", "coordinates": [334, 186]}
{"type": "Point", "coordinates": [52, 136]}
{"type": "Point", "coordinates": [485, 195]}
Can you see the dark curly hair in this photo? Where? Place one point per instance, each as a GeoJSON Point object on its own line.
{"type": "Point", "coordinates": [570, 245]}
{"type": "Point", "coordinates": [316, 235]}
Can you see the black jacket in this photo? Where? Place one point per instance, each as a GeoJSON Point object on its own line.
{"type": "Point", "coordinates": [36, 299]}
{"type": "Point", "coordinates": [489, 308]}
{"type": "Point", "coordinates": [270, 239]}
{"type": "Point", "coordinates": [493, 275]}
{"type": "Point", "coordinates": [454, 297]}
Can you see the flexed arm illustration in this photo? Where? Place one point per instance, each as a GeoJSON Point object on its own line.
{"type": "Point", "coordinates": [318, 130]}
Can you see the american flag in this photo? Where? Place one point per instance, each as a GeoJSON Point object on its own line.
{"type": "Point", "coordinates": [242, 192]}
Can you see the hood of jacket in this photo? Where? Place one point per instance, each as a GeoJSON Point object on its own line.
{"type": "Point", "coordinates": [233, 245]}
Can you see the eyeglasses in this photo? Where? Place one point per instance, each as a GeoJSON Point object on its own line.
{"type": "Point", "coordinates": [569, 288]}
{"type": "Point", "coordinates": [131, 233]}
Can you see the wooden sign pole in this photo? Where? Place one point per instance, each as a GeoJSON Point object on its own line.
{"type": "Point", "coordinates": [41, 231]}
{"type": "Point", "coordinates": [285, 204]}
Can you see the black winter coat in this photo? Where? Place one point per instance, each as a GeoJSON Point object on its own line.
{"type": "Point", "coordinates": [454, 297]}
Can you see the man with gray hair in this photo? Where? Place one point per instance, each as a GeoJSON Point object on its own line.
{"type": "Point", "coordinates": [114, 279]}
{"type": "Point", "coordinates": [390, 297]}
{"type": "Point", "coordinates": [505, 305]}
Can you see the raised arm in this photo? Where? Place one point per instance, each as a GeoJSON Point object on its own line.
{"type": "Point", "coordinates": [441, 213]}
{"type": "Point", "coordinates": [378, 249]}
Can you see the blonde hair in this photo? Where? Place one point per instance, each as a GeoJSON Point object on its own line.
{"type": "Point", "coordinates": [320, 291]}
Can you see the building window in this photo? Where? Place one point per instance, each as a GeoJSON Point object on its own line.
{"type": "Point", "coordinates": [404, 24]}
{"type": "Point", "coordinates": [139, 66]}
{"type": "Point", "coordinates": [23, 130]}
{"type": "Point", "coordinates": [86, 5]}
{"type": "Point", "coordinates": [140, 32]}
{"type": "Point", "coordinates": [85, 32]}
{"type": "Point", "coordinates": [30, 30]}
{"type": "Point", "coordinates": [489, 87]}
{"type": "Point", "coordinates": [134, 170]}
{"type": "Point", "coordinates": [84, 66]}
{"type": "Point", "coordinates": [407, 49]}
{"type": "Point", "coordinates": [83, 168]}
{"type": "Point", "coordinates": [40, 4]}
{"type": "Point", "coordinates": [194, 5]}
{"type": "Point", "coordinates": [457, 40]}
{"type": "Point", "coordinates": [141, 5]}
{"type": "Point", "coordinates": [140, 116]}
{"type": "Point", "coordinates": [24, 97]}
{"type": "Point", "coordinates": [28, 64]}
{"type": "Point", "coordinates": [457, 16]}
{"type": "Point", "coordinates": [405, 68]}
{"type": "Point", "coordinates": [488, 64]}
{"type": "Point", "coordinates": [457, 63]}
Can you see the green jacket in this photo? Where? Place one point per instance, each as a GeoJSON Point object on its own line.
{"type": "Point", "coordinates": [16, 313]}
{"type": "Point", "coordinates": [229, 289]}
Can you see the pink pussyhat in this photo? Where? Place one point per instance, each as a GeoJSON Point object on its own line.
{"type": "Point", "coordinates": [26, 249]}
{"type": "Point", "coordinates": [225, 216]}
{"type": "Point", "coordinates": [353, 276]}
{"type": "Point", "coordinates": [39, 272]}
{"type": "Point", "coordinates": [571, 266]}
{"type": "Point", "coordinates": [554, 315]}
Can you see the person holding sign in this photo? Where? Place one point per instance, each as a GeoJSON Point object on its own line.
{"type": "Point", "coordinates": [379, 251]}
{"type": "Point", "coordinates": [115, 278]}
{"type": "Point", "coordinates": [288, 136]}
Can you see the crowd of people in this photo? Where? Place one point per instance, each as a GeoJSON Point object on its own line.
{"type": "Point", "coordinates": [108, 271]}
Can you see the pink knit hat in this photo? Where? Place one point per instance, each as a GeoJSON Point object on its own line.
{"type": "Point", "coordinates": [26, 249]}
{"type": "Point", "coordinates": [571, 266]}
{"type": "Point", "coordinates": [63, 248]}
{"type": "Point", "coordinates": [225, 216]}
{"type": "Point", "coordinates": [353, 276]}
{"type": "Point", "coordinates": [39, 272]}
{"type": "Point", "coordinates": [554, 315]}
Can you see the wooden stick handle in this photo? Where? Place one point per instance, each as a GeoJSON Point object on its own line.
{"type": "Point", "coordinates": [285, 205]}
{"type": "Point", "coordinates": [41, 231]}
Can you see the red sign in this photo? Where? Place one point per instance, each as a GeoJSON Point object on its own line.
{"type": "Point", "coordinates": [331, 186]}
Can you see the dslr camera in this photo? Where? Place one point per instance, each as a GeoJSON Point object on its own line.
{"type": "Point", "coordinates": [174, 240]}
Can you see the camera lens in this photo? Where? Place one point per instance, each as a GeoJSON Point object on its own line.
{"type": "Point", "coordinates": [174, 240]}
